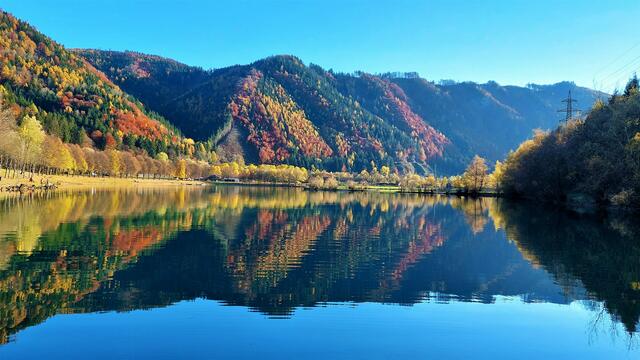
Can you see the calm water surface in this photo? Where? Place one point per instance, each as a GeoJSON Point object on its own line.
{"type": "Point", "coordinates": [242, 272]}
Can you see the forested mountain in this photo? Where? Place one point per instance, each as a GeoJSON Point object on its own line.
{"type": "Point", "coordinates": [70, 98]}
{"type": "Point", "coordinates": [275, 110]}
{"type": "Point", "coordinates": [280, 110]}
{"type": "Point", "coordinates": [489, 119]}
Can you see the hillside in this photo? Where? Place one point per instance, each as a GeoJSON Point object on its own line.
{"type": "Point", "coordinates": [590, 162]}
{"type": "Point", "coordinates": [71, 98]}
{"type": "Point", "coordinates": [346, 121]}
{"type": "Point", "coordinates": [272, 111]}
{"type": "Point", "coordinates": [489, 119]}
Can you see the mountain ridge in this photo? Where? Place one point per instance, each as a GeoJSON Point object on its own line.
{"type": "Point", "coordinates": [412, 123]}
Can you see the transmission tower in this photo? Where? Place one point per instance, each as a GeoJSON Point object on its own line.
{"type": "Point", "coordinates": [569, 110]}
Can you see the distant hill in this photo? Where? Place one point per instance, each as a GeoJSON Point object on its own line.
{"type": "Point", "coordinates": [280, 110]}
{"type": "Point", "coordinates": [71, 98]}
{"type": "Point", "coordinates": [489, 119]}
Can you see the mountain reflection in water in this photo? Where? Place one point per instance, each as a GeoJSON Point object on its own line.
{"type": "Point", "coordinates": [276, 249]}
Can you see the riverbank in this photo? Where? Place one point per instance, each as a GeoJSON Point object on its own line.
{"type": "Point", "coordinates": [65, 182]}
{"type": "Point", "coordinates": [365, 187]}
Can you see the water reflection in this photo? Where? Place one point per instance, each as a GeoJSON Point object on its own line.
{"type": "Point", "coordinates": [603, 257]}
{"type": "Point", "coordinates": [274, 250]}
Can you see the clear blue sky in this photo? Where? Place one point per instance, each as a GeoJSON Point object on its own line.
{"type": "Point", "coordinates": [512, 42]}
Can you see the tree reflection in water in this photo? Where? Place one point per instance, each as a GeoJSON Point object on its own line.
{"type": "Point", "coordinates": [277, 249]}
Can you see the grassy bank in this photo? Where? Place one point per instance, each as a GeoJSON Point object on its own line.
{"type": "Point", "coordinates": [488, 192]}
{"type": "Point", "coordinates": [65, 182]}
{"type": "Point", "coordinates": [435, 191]}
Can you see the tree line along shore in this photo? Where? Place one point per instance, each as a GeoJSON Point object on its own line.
{"type": "Point", "coordinates": [588, 163]}
{"type": "Point", "coordinates": [15, 176]}
{"type": "Point", "coordinates": [30, 158]}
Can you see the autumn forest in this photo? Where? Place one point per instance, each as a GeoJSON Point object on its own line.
{"type": "Point", "coordinates": [275, 111]}
{"type": "Point", "coordinates": [319, 179]}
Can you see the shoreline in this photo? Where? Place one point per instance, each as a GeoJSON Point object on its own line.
{"type": "Point", "coordinates": [392, 189]}
{"type": "Point", "coordinates": [52, 183]}
{"type": "Point", "coordinates": [65, 182]}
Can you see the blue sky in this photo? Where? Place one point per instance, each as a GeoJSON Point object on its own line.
{"type": "Point", "coordinates": [512, 42]}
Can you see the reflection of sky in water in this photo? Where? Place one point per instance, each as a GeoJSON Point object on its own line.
{"type": "Point", "coordinates": [205, 329]}
{"type": "Point", "coordinates": [352, 275]}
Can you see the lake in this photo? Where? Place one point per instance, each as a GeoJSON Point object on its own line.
{"type": "Point", "coordinates": [260, 272]}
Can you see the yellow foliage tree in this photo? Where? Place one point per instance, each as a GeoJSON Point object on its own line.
{"type": "Point", "coordinates": [56, 155]}
{"type": "Point", "coordinates": [115, 162]}
{"type": "Point", "coordinates": [181, 169]}
{"type": "Point", "coordinates": [476, 174]}
{"type": "Point", "coordinates": [162, 156]}
{"type": "Point", "coordinates": [496, 176]}
{"type": "Point", "coordinates": [31, 137]}
{"type": "Point", "coordinates": [215, 171]}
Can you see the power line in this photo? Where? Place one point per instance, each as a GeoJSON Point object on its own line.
{"type": "Point", "coordinates": [626, 66]}
{"type": "Point", "coordinates": [630, 65]}
{"type": "Point", "coordinates": [613, 78]}
{"type": "Point", "coordinates": [569, 110]}
{"type": "Point", "coordinates": [624, 79]}
{"type": "Point", "coordinates": [616, 59]}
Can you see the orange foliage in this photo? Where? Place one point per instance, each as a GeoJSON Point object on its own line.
{"type": "Point", "coordinates": [431, 140]}
{"type": "Point", "coordinates": [134, 240]}
{"type": "Point", "coordinates": [109, 142]}
{"type": "Point", "coordinates": [275, 123]}
{"type": "Point", "coordinates": [48, 69]}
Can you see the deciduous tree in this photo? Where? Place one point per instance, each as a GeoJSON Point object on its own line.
{"type": "Point", "coordinates": [476, 175]}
